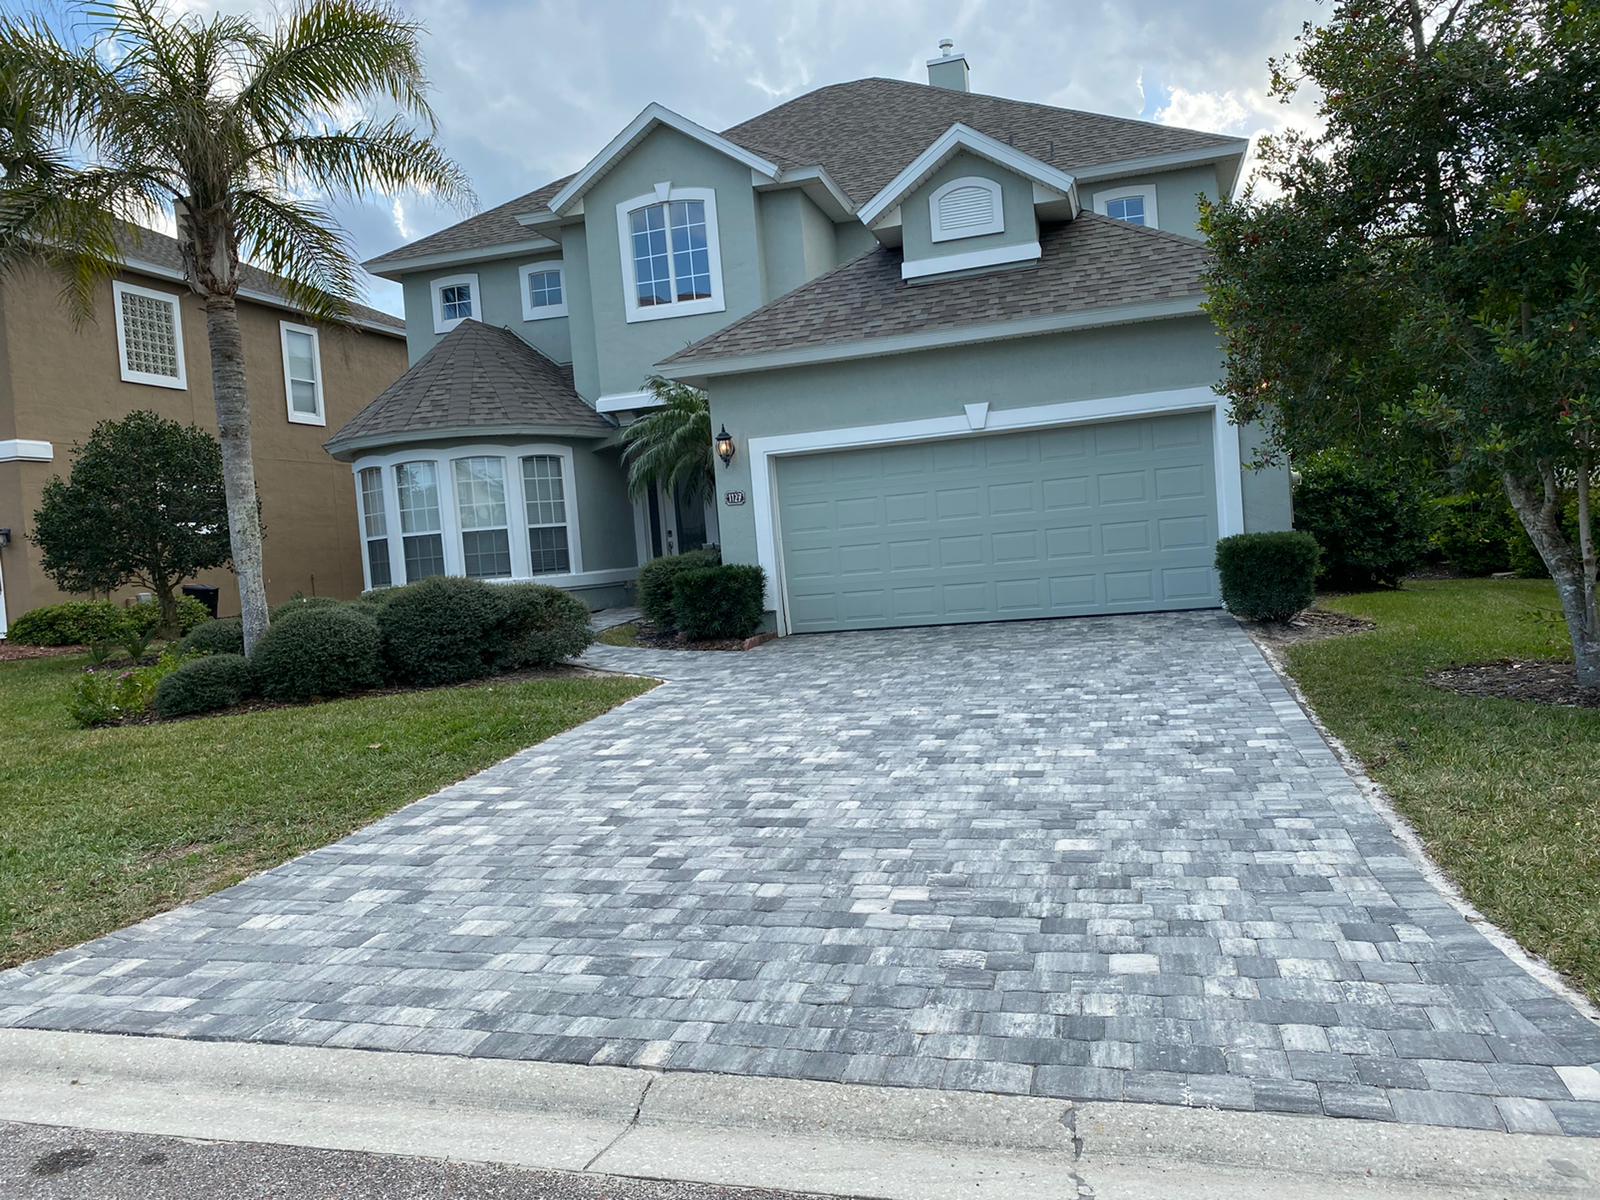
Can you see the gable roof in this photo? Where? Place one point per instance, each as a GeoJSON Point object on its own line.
{"type": "Point", "coordinates": [1093, 270]}
{"type": "Point", "coordinates": [151, 253]}
{"type": "Point", "coordinates": [478, 380]}
{"type": "Point", "coordinates": [863, 133]}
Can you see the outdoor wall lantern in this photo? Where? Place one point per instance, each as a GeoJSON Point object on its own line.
{"type": "Point", "coordinates": [725, 445]}
{"type": "Point", "coordinates": [5, 538]}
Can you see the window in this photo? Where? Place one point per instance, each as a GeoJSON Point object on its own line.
{"type": "Point", "coordinates": [671, 264]}
{"type": "Point", "coordinates": [375, 528]}
{"type": "Point", "coordinates": [455, 299]}
{"type": "Point", "coordinates": [302, 373]}
{"type": "Point", "coordinates": [149, 336]}
{"type": "Point", "coordinates": [543, 292]}
{"type": "Point", "coordinates": [481, 507]}
{"type": "Point", "coordinates": [421, 535]}
{"type": "Point", "coordinates": [966, 207]}
{"type": "Point", "coordinates": [544, 492]}
{"type": "Point", "coordinates": [1136, 206]}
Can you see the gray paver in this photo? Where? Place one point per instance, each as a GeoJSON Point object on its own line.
{"type": "Point", "coordinates": [1093, 859]}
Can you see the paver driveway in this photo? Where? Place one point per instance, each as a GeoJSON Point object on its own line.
{"type": "Point", "coordinates": [1104, 858]}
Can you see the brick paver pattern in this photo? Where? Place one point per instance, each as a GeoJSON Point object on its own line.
{"type": "Point", "coordinates": [1099, 859]}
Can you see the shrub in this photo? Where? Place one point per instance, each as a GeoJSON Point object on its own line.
{"type": "Point", "coordinates": [301, 603]}
{"type": "Point", "coordinates": [74, 623]}
{"type": "Point", "coordinates": [655, 587]}
{"type": "Point", "coordinates": [224, 636]}
{"type": "Point", "coordinates": [106, 697]}
{"type": "Point", "coordinates": [718, 602]}
{"type": "Point", "coordinates": [1474, 531]}
{"type": "Point", "coordinates": [191, 614]}
{"type": "Point", "coordinates": [318, 652]}
{"type": "Point", "coordinates": [442, 630]}
{"type": "Point", "coordinates": [205, 685]}
{"type": "Point", "coordinates": [541, 626]}
{"type": "Point", "coordinates": [1371, 527]}
{"type": "Point", "coordinates": [1268, 576]}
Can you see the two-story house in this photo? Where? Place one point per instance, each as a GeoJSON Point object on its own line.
{"type": "Point", "coordinates": [145, 348]}
{"type": "Point", "coordinates": [955, 341]}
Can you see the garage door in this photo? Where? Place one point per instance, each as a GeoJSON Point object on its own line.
{"type": "Point", "coordinates": [1110, 518]}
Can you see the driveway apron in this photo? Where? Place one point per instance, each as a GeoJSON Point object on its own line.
{"type": "Point", "coordinates": [1101, 859]}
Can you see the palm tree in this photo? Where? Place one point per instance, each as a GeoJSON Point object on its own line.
{"type": "Point", "coordinates": [671, 445]}
{"type": "Point", "coordinates": [227, 127]}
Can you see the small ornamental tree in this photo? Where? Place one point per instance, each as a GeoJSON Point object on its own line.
{"type": "Point", "coordinates": [1423, 285]}
{"type": "Point", "coordinates": [144, 504]}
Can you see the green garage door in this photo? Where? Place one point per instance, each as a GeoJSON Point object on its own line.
{"type": "Point", "coordinates": [1119, 517]}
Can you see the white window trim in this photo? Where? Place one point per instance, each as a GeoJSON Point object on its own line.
{"type": "Point", "coordinates": [764, 453]}
{"type": "Point", "coordinates": [181, 383]}
{"type": "Point", "coordinates": [385, 488]}
{"type": "Point", "coordinates": [1146, 191]}
{"type": "Point", "coordinates": [542, 312]}
{"type": "Point", "coordinates": [437, 286]}
{"type": "Point", "coordinates": [450, 520]}
{"type": "Point", "coordinates": [320, 417]}
{"type": "Point", "coordinates": [505, 490]}
{"type": "Point", "coordinates": [995, 224]}
{"type": "Point", "coordinates": [665, 193]}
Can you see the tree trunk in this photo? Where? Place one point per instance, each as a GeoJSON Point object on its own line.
{"type": "Point", "coordinates": [1538, 503]}
{"type": "Point", "coordinates": [238, 467]}
{"type": "Point", "coordinates": [168, 604]}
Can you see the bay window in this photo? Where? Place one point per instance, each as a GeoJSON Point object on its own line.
{"type": "Point", "coordinates": [421, 530]}
{"type": "Point", "coordinates": [375, 527]}
{"type": "Point", "coordinates": [481, 509]}
{"type": "Point", "coordinates": [545, 498]}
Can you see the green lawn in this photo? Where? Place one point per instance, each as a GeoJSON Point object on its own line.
{"type": "Point", "coordinates": [99, 828]}
{"type": "Point", "coordinates": [1505, 793]}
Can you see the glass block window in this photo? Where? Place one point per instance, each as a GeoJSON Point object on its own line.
{"type": "Point", "coordinates": [302, 374]}
{"type": "Point", "coordinates": [1129, 209]}
{"type": "Point", "coordinates": [421, 534]}
{"type": "Point", "coordinates": [544, 494]}
{"type": "Point", "coordinates": [481, 505]}
{"type": "Point", "coordinates": [149, 336]}
{"type": "Point", "coordinates": [671, 253]}
{"type": "Point", "coordinates": [375, 527]}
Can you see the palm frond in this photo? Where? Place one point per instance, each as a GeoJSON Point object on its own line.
{"type": "Point", "coordinates": [302, 244]}
{"type": "Point", "coordinates": [670, 445]}
{"type": "Point", "coordinates": [386, 156]}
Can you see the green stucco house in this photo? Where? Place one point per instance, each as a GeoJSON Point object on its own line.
{"type": "Point", "coordinates": [956, 341]}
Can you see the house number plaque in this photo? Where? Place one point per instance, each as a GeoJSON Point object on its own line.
{"type": "Point", "coordinates": [734, 498]}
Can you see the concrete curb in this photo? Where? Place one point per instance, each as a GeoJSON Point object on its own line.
{"type": "Point", "coordinates": [829, 1139]}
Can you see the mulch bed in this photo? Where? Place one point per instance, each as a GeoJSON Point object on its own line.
{"type": "Point", "coordinates": [651, 638]}
{"type": "Point", "coordinates": [1540, 682]}
{"type": "Point", "coordinates": [1313, 625]}
{"type": "Point", "coordinates": [10, 652]}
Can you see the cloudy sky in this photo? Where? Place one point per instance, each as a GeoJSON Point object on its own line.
{"type": "Point", "coordinates": [527, 90]}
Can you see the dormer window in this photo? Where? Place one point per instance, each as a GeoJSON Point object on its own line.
{"type": "Point", "coordinates": [671, 265]}
{"type": "Point", "coordinates": [966, 207]}
{"type": "Point", "coordinates": [1136, 206]}
{"type": "Point", "coordinates": [455, 299]}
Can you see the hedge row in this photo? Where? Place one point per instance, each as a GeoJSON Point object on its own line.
{"type": "Point", "coordinates": [98, 622]}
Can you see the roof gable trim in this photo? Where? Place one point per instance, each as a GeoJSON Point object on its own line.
{"type": "Point", "coordinates": [634, 132]}
{"type": "Point", "coordinates": [963, 137]}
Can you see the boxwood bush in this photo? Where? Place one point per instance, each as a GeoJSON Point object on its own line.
{"type": "Point", "coordinates": [1268, 576]}
{"type": "Point", "coordinates": [204, 685]}
{"type": "Point", "coordinates": [73, 623]}
{"type": "Point", "coordinates": [1371, 526]}
{"type": "Point", "coordinates": [221, 636]}
{"type": "Point", "coordinates": [442, 630]}
{"type": "Point", "coordinates": [710, 603]}
{"type": "Point", "coordinates": [301, 603]}
{"type": "Point", "coordinates": [321, 651]}
{"type": "Point", "coordinates": [655, 588]}
{"type": "Point", "coordinates": [541, 626]}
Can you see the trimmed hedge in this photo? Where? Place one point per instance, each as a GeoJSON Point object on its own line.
{"type": "Point", "coordinates": [1268, 576]}
{"type": "Point", "coordinates": [73, 623]}
{"type": "Point", "coordinates": [712, 603]}
{"type": "Point", "coordinates": [222, 636]}
{"type": "Point", "coordinates": [321, 651]}
{"type": "Point", "coordinates": [442, 630]}
{"type": "Point", "coordinates": [204, 685]}
{"type": "Point", "coordinates": [1371, 526]}
{"type": "Point", "coordinates": [301, 603]}
{"type": "Point", "coordinates": [541, 627]}
{"type": "Point", "coordinates": [655, 588]}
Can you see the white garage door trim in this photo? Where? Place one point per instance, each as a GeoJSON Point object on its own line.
{"type": "Point", "coordinates": [977, 419]}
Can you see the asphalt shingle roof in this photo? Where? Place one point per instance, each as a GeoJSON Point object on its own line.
{"type": "Point", "coordinates": [1090, 263]}
{"type": "Point", "coordinates": [146, 245]}
{"type": "Point", "coordinates": [863, 133]}
{"type": "Point", "coordinates": [477, 377]}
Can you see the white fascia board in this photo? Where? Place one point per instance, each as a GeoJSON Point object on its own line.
{"type": "Point", "coordinates": [653, 115]}
{"type": "Point", "coordinates": [278, 302]}
{"type": "Point", "coordinates": [403, 266]}
{"type": "Point", "coordinates": [627, 402]}
{"type": "Point", "coordinates": [963, 137]}
{"type": "Point", "coordinates": [970, 260]}
{"type": "Point", "coordinates": [26, 450]}
{"type": "Point", "coordinates": [1163, 162]}
{"type": "Point", "coordinates": [344, 448]}
{"type": "Point", "coordinates": [819, 186]}
{"type": "Point", "coordinates": [935, 339]}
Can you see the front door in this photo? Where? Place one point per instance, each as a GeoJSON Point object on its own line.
{"type": "Point", "coordinates": [680, 522]}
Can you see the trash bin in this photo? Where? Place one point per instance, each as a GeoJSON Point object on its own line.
{"type": "Point", "coordinates": [204, 593]}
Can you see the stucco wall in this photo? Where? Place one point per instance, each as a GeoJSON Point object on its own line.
{"type": "Point", "coordinates": [1016, 195]}
{"type": "Point", "coordinates": [1177, 210]}
{"type": "Point", "coordinates": [63, 380]}
{"type": "Point", "coordinates": [1122, 360]}
{"type": "Point", "coordinates": [797, 240]}
{"type": "Point", "coordinates": [499, 303]}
